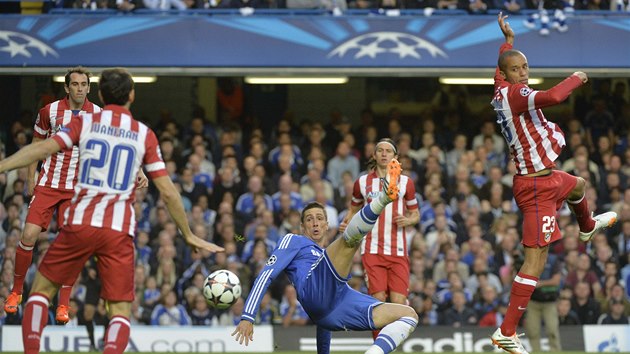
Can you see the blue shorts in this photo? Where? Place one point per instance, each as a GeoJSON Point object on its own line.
{"type": "Point", "coordinates": [334, 305]}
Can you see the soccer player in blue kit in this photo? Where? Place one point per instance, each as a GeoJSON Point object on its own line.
{"type": "Point", "coordinates": [320, 277]}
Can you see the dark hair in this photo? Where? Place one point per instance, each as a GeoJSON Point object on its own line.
{"type": "Point", "coordinates": [115, 86]}
{"type": "Point", "coordinates": [503, 57]}
{"type": "Point", "coordinates": [312, 205]}
{"type": "Point", "coordinates": [78, 70]}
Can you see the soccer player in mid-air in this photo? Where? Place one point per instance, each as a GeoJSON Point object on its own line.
{"type": "Point", "coordinates": [55, 185]}
{"type": "Point", "coordinates": [539, 190]}
{"type": "Point", "coordinates": [320, 278]}
{"type": "Point", "coordinates": [100, 220]}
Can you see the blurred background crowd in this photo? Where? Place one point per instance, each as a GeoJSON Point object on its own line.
{"type": "Point", "coordinates": [244, 182]}
{"type": "Point", "coordinates": [337, 7]}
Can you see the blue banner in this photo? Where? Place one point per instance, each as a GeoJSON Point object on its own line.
{"type": "Point", "coordinates": [305, 41]}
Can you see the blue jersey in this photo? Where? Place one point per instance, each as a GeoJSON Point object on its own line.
{"type": "Point", "coordinates": [324, 294]}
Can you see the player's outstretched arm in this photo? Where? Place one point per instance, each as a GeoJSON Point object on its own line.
{"type": "Point", "coordinates": [29, 154]}
{"type": "Point", "coordinates": [244, 332]}
{"type": "Point", "coordinates": [508, 33]}
{"type": "Point", "coordinates": [176, 210]}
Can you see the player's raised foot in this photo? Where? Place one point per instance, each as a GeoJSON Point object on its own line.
{"type": "Point", "coordinates": [62, 314]}
{"type": "Point", "coordinates": [602, 221]}
{"type": "Point", "coordinates": [511, 344]}
{"type": "Point", "coordinates": [12, 302]}
{"type": "Point", "coordinates": [390, 182]}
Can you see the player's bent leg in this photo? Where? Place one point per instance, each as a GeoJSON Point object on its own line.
{"type": "Point", "coordinates": [117, 333]}
{"type": "Point", "coordinates": [396, 322]}
{"type": "Point", "coordinates": [23, 260]}
{"type": "Point", "coordinates": [61, 314]}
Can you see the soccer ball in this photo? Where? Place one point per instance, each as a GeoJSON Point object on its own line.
{"type": "Point", "coordinates": [222, 289]}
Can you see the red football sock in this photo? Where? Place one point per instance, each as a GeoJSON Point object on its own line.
{"type": "Point", "coordinates": [117, 335]}
{"type": "Point", "coordinates": [582, 214]}
{"type": "Point", "coordinates": [522, 289]}
{"type": "Point", "coordinates": [375, 333]}
{"type": "Point", "coordinates": [33, 322]}
{"type": "Point", "coordinates": [64, 295]}
{"type": "Point", "coordinates": [23, 260]}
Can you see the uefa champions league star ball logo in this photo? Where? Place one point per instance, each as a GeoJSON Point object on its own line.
{"type": "Point", "coordinates": [372, 44]}
{"type": "Point", "coordinates": [15, 43]}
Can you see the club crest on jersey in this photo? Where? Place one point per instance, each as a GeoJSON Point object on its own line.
{"type": "Point", "coordinates": [272, 260]}
{"type": "Point", "coordinates": [547, 236]}
{"type": "Point", "coordinates": [526, 91]}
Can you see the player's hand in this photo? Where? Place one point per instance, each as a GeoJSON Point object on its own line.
{"type": "Point", "coordinates": [582, 76]}
{"type": "Point", "coordinates": [343, 225]}
{"type": "Point", "coordinates": [30, 185]}
{"type": "Point", "coordinates": [508, 33]}
{"type": "Point", "coordinates": [197, 243]}
{"type": "Point", "coordinates": [244, 332]}
{"type": "Point", "coordinates": [142, 181]}
{"type": "Point", "coordinates": [402, 220]}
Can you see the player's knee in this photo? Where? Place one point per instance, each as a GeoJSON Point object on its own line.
{"type": "Point", "coordinates": [410, 312]}
{"type": "Point", "coordinates": [29, 236]}
{"type": "Point", "coordinates": [578, 190]}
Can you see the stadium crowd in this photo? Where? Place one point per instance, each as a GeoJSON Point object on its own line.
{"type": "Point", "coordinates": [243, 185]}
{"type": "Point", "coordinates": [337, 7]}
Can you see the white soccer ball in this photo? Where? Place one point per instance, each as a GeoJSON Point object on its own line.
{"type": "Point", "coordinates": [222, 289]}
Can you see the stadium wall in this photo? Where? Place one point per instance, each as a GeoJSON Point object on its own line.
{"type": "Point", "coordinates": [435, 339]}
{"type": "Point", "coordinates": [209, 43]}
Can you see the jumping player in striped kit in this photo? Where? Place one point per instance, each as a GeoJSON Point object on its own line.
{"type": "Point", "coordinates": [100, 220]}
{"type": "Point", "coordinates": [320, 278]}
{"type": "Point", "coordinates": [55, 185]}
{"type": "Point", "coordinates": [539, 190]}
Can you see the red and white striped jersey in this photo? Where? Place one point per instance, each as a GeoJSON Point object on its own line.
{"type": "Point", "coordinates": [112, 148]}
{"type": "Point", "coordinates": [59, 170]}
{"type": "Point", "coordinates": [386, 237]}
{"type": "Point", "coordinates": [534, 142]}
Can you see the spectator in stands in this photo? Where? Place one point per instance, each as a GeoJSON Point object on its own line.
{"type": "Point", "coordinates": [488, 130]}
{"type": "Point", "coordinates": [510, 6]}
{"type": "Point", "coordinates": [459, 313]}
{"type": "Point", "coordinates": [586, 308]}
{"type": "Point", "coordinates": [190, 189]}
{"type": "Point", "coordinates": [583, 273]}
{"type": "Point", "coordinates": [454, 155]}
{"type": "Point", "coordinates": [615, 315]}
{"type": "Point", "coordinates": [200, 314]}
{"type": "Point", "coordinates": [482, 275]}
{"type": "Point", "coordinates": [169, 312]}
{"type": "Point", "coordinates": [599, 122]}
{"type": "Point", "coordinates": [566, 315]}
{"type": "Point", "coordinates": [247, 202]}
{"type": "Point", "coordinates": [342, 161]}
{"type": "Point", "coordinates": [314, 181]}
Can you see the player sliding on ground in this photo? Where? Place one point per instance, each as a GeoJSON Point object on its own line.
{"type": "Point", "coordinates": [320, 278]}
